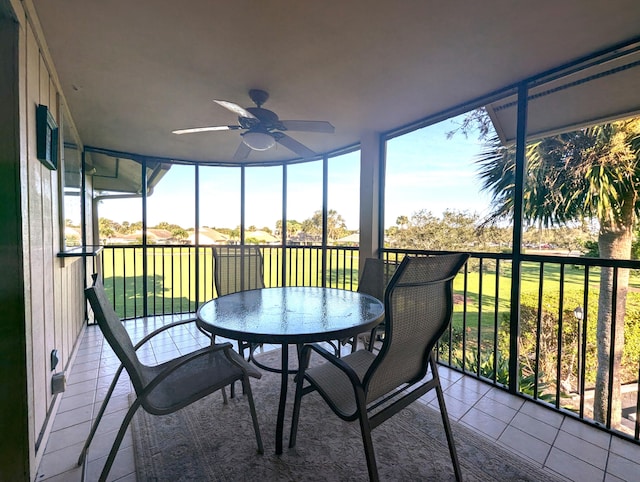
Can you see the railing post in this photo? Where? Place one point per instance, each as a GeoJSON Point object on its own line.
{"type": "Point", "coordinates": [514, 319]}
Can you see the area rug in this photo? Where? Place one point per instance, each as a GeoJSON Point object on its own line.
{"type": "Point", "coordinates": [210, 441]}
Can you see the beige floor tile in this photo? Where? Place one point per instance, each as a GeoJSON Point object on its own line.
{"type": "Point", "coordinates": [581, 430]}
{"type": "Point", "coordinates": [61, 439]}
{"type": "Point", "coordinates": [623, 468]}
{"type": "Point", "coordinates": [75, 401]}
{"type": "Point", "coordinates": [72, 417]}
{"type": "Point", "coordinates": [573, 468]}
{"type": "Point", "coordinates": [60, 461]}
{"type": "Point", "coordinates": [123, 465]}
{"type": "Point", "coordinates": [542, 413]}
{"type": "Point", "coordinates": [460, 391]}
{"type": "Point", "coordinates": [625, 448]}
{"type": "Point", "coordinates": [525, 444]}
{"type": "Point", "coordinates": [455, 408]}
{"type": "Point", "coordinates": [505, 398]}
{"type": "Point", "coordinates": [496, 409]}
{"type": "Point", "coordinates": [484, 423]}
{"type": "Point", "coordinates": [582, 449]}
{"type": "Point", "coordinates": [612, 478]}
{"type": "Point", "coordinates": [534, 427]}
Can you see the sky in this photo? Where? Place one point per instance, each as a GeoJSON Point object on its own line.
{"type": "Point", "coordinates": [425, 170]}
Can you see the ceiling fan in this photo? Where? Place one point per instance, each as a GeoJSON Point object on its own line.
{"type": "Point", "coordinates": [264, 128]}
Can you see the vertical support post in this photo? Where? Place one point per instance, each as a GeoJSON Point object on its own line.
{"type": "Point", "coordinates": [514, 327]}
{"type": "Point", "coordinates": [283, 266]}
{"type": "Point", "coordinates": [371, 189]}
{"type": "Point", "coordinates": [325, 200]}
{"type": "Point", "coordinates": [83, 218]}
{"type": "Point", "coordinates": [242, 202]}
{"type": "Point", "coordinates": [145, 267]}
{"type": "Point", "coordinates": [197, 233]}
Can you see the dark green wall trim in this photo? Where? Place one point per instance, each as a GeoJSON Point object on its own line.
{"type": "Point", "coordinates": [14, 419]}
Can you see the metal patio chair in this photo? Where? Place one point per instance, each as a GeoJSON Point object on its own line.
{"type": "Point", "coordinates": [372, 387]}
{"type": "Point", "coordinates": [376, 274]}
{"type": "Point", "coordinates": [167, 387]}
{"type": "Point", "coordinates": [238, 268]}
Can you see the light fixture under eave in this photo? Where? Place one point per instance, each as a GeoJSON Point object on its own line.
{"type": "Point", "coordinates": [258, 141]}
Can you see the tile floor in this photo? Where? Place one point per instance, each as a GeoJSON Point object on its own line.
{"type": "Point", "coordinates": [557, 443]}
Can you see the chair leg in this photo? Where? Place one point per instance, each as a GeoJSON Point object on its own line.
{"type": "Point", "coordinates": [224, 390]}
{"type": "Point", "coordinates": [372, 338]}
{"type": "Point", "coordinates": [303, 363]}
{"type": "Point", "coordinates": [445, 418]}
{"type": "Point", "coordinates": [247, 390]}
{"type": "Point", "coordinates": [241, 347]}
{"type": "Point", "coordinates": [94, 427]}
{"type": "Point", "coordinates": [365, 429]}
{"type": "Point", "coordinates": [116, 443]}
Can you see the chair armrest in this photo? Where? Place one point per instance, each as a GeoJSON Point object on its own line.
{"type": "Point", "coordinates": [243, 364]}
{"type": "Point", "coordinates": [161, 329]}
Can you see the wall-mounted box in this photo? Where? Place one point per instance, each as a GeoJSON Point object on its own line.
{"type": "Point", "coordinates": [46, 137]}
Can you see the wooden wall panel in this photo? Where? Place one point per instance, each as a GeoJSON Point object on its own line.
{"type": "Point", "coordinates": [54, 305]}
{"type": "Point", "coordinates": [49, 216]}
{"type": "Point", "coordinates": [36, 241]}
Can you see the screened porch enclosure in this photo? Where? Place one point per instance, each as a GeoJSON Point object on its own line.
{"type": "Point", "coordinates": [526, 319]}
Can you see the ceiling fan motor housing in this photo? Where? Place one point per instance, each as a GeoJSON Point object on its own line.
{"type": "Point", "coordinates": [263, 117]}
{"type": "Point", "coordinates": [258, 96]}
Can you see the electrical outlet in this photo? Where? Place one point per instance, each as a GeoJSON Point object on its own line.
{"type": "Point", "coordinates": [58, 383]}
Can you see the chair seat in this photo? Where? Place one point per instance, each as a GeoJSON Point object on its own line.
{"type": "Point", "coordinates": [334, 385]}
{"type": "Point", "coordinates": [193, 380]}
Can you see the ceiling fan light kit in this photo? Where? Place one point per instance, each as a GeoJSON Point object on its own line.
{"type": "Point", "coordinates": [258, 141]}
{"type": "Point", "coordinates": [264, 128]}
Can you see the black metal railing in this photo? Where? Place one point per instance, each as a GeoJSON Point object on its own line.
{"type": "Point", "coordinates": [558, 302]}
{"type": "Point", "coordinates": [175, 279]}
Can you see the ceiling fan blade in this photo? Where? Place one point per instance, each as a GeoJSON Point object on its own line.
{"type": "Point", "coordinates": [293, 145]}
{"type": "Point", "coordinates": [235, 108]}
{"type": "Point", "coordinates": [308, 126]}
{"type": "Point", "coordinates": [205, 129]}
{"type": "Point", "coordinates": [242, 152]}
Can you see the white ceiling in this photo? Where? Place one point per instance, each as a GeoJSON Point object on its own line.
{"type": "Point", "coordinates": [133, 71]}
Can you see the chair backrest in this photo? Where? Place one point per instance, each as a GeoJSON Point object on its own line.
{"type": "Point", "coordinates": [115, 333]}
{"type": "Point", "coordinates": [418, 308]}
{"type": "Point", "coordinates": [375, 276]}
{"type": "Point", "coordinates": [237, 268]}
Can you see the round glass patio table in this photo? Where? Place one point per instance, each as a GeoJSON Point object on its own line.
{"type": "Point", "coordinates": [288, 316]}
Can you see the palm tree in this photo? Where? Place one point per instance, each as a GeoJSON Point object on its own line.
{"type": "Point", "coordinates": [591, 173]}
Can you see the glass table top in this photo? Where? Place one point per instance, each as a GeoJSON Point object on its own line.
{"type": "Point", "coordinates": [291, 314]}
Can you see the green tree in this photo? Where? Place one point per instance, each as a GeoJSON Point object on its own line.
{"type": "Point", "coordinates": [589, 173]}
{"type": "Point", "coordinates": [455, 230]}
{"type": "Point", "coordinates": [179, 233]}
{"type": "Point", "coordinates": [293, 227]}
{"type": "Point", "coordinates": [107, 228]}
{"type": "Point", "coordinates": [336, 226]}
